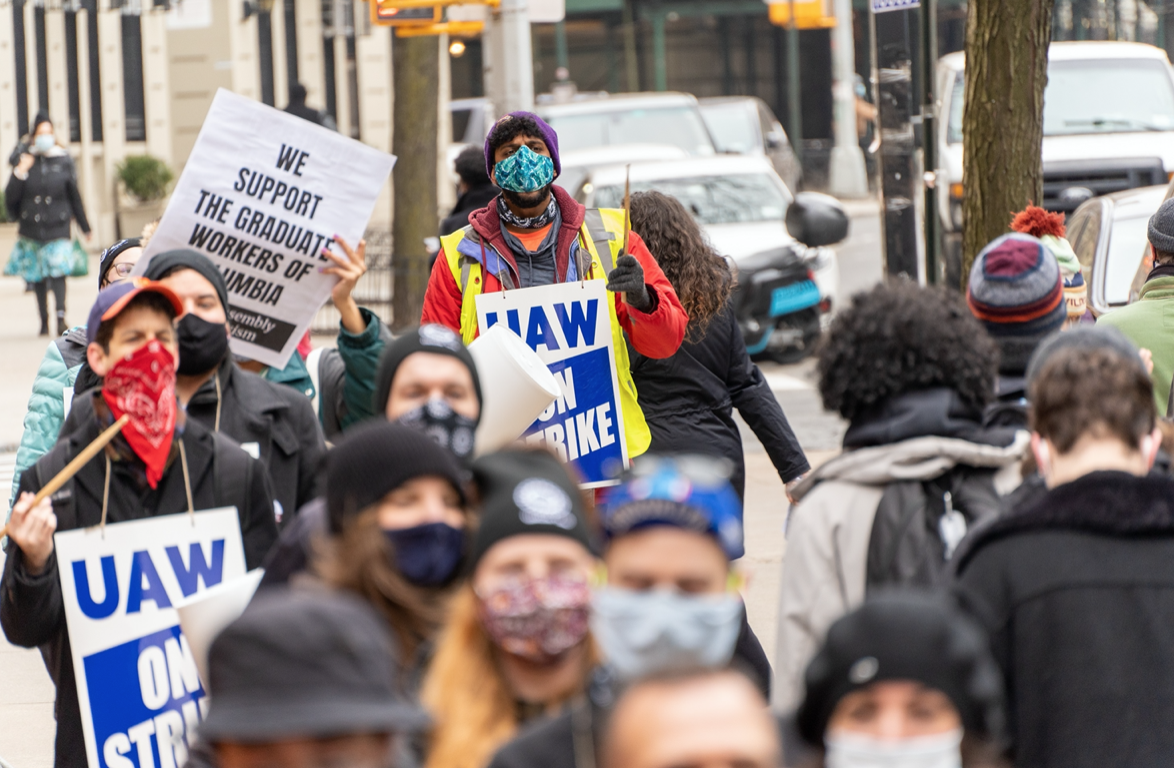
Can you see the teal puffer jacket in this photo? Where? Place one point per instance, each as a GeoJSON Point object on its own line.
{"type": "Point", "coordinates": [46, 411]}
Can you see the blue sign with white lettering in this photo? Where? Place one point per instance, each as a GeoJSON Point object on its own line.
{"type": "Point", "coordinates": [138, 684]}
{"type": "Point", "coordinates": [569, 326]}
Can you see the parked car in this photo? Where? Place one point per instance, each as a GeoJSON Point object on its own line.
{"type": "Point", "coordinates": [629, 118]}
{"type": "Point", "coordinates": [742, 205]}
{"type": "Point", "coordinates": [1109, 236]}
{"type": "Point", "coordinates": [1108, 126]}
{"type": "Point", "coordinates": [745, 125]}
{"type": "Point", "coordinates": [578, 164]}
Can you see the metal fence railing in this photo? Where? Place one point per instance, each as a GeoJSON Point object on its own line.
{"type": "Point", "coordinates": [376, 290]}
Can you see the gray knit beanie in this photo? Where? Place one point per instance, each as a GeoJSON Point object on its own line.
{"type": "Point", "coordinates": [1161, 228]}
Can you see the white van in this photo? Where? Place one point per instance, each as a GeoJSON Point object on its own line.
{"type": "Point", "coordinates": [1108, 126]}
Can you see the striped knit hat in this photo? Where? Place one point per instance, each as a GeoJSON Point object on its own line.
{"type": "Point", "coordinates": [1017, 292]}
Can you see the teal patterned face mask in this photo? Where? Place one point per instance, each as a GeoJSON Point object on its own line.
{"type": "Point", "coordinates": [524, 171]}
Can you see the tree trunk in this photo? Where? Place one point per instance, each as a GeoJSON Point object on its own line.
{"type": "Point", "coordinates": [416, 62]}
{"type": "Point", "coordinates": [1002, 129]}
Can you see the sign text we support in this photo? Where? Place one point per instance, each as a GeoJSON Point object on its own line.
{"type": "Point", "coordinates": [137, 682]}
{"type": "Point", "coordinates": [569, 326]}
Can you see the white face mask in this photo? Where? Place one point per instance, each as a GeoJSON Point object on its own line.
{"type": "Point", "coordinates": [853, 750]}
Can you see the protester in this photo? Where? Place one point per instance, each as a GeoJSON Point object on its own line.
{"type": "Point", "coordinates": [689, 399]}
{"type": "Point", "coordinates": [516, 644]}
{"type": "Point", "coordinates": [273, 422]}
{"type": "Point", "coordinates": [475, 190]}
{"type": "Point", "coordinates": [905, 680]}
{"type": "Point", "coordinates": [42, 195]}
{"type": "Point", "coordinates": [338, 379]}
{"type": "Point", "coordinates": [1017, 293]}
{"type": "Point", "coordinates": [1075, 588]}
{"type": "Point", "coordinates": [297, 106]}
{"type": "Point", "coordinates": [61, 367]}
{"type": "Point", "coordinates": [535, 234]}
{"type": "Point", "coordinates": [910, 370]}
{"type": "Point", "coordinates": [708, 718]}
{"type": "Point", "coordinates": [306, 680]}
{"type": "Point", "coordinates": [1146, 320]}
{"type": "Point", "coordinates": [398, 517]}
{"type": "Point", "coordinates": [671, 601]}
{"type": "Point", "coordinates": [161, 463]}
{"type": "Point", "coordinates": [1049, 227]}
{"type": "Point", "coordinates": [427, 381]}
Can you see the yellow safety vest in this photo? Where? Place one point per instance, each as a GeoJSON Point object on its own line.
{"type": "Point", "coordinates": [601, 226]}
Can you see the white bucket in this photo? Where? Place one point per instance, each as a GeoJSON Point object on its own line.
{"type": "Point", "coordinates": [205, 615]}
{"type": "Point", "coordinates": [516, 386]}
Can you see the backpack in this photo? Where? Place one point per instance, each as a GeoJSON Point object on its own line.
{"type": "Point", "coordinates": [919, 524]}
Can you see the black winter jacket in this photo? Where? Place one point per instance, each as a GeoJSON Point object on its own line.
{"type": "Point", "coordinates": [689, 399]}
{"type": "Point", "coordinates": [45, 202]}
{"type": "Point", "coordinates": [1077, 591]}
{"type": "Point", "coordinates": [31, 610]}
{"type": "Point", "coordinates": [473, 199]}
{"type": "Point", "coordinates": [259, 415]}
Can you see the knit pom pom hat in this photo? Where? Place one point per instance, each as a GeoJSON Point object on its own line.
{"type": "Point", "coordinates": [1016, 291]}
{"type": "Point", "coordinates": [1049, 228]}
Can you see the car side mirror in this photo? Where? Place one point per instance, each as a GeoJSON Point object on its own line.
{"type": "Point", "coordinates": [815, 219]}
{"type": "Point", "coordinates": [774, 140]}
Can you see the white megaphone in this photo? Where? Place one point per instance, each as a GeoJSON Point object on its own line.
{"type": "Point", "coordinates": [516, 386]}
{"type": "Point", "coordinates": [203, 616]}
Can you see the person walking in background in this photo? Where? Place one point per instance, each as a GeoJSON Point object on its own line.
{"type": "Point", "coordinates": [42, 196]}
{"type": "Point", "coordinates": [911, 370]}
{"type": "Point", "coordinates": [1147, 321]}
{"type": "Point", "coordinates": [1077, 589]}
{"type": "Point", "coordinates": [689, 398]}
{"type": "Point", "coordinates": [516, 645]}
{"type": "Point", "coordinates": [297, 106]}
{"type": "Point", "coordinates": [1016, 291]}
{"type": "Point", "coordinates": [905, 681]}
{"type": "Point", "coordinates": [475, 190]}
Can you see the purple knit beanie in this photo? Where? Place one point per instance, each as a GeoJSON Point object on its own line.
{"type": "Point", "coordinates": [547, 133]}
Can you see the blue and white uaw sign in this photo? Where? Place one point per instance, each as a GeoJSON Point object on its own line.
{"type": "Point", "coordinates": [137, 682]}
{"type": "Point", "coordinates": [568, 325]}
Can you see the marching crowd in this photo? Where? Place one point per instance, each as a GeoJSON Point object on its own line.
{"type": "Point", "coordinates": [981, 578]}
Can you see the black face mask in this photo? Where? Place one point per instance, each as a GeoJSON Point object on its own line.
{"type": "Point", "coordinates": [449, 429]}
{"type": "Point", "coordinates": [202, 345]}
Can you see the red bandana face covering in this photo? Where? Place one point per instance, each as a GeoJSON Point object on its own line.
{"type": "Point", "coordinates": [143, 385]}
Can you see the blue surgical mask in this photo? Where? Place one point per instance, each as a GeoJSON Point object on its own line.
{"type": "Point", "coordinates": [44, 143]}
{"type": "Point", "coordinates": [427, 555]}
{"type": "Point", "coordinates": [524, 171]}
{"type": "Point", "coordinates": [643, 633]}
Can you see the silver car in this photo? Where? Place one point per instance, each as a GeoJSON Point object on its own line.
{"type": "Point", "coordinates": [745, 125]}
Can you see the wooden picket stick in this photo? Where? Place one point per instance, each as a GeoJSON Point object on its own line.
{"type": "Point", "coordinates": [627, 206]}
{"type": "Point", "coordinates": [79, 461]}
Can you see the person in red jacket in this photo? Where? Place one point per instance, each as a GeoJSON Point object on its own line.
{"type": "Point", "coordinates": [533, 234]}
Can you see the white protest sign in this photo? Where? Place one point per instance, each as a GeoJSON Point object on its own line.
{"type": "Point", "coordinates": [568, 325]}
{"type": "Point", "coordinates": [137, 682]}
{"type": "Point", "coordinates": [262, 193]}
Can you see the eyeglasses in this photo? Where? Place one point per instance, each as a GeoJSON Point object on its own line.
{"type": "Point", "coordinates": [122, 270]}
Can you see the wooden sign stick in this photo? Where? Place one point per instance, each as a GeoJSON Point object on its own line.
{"type": "Point", "coordinates": [627, 206]}
{"type": "Point", "coordinates": [79, 461]}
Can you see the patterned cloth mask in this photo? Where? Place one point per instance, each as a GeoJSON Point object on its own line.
{"type": "Point", "coordinates": [524, 171]}
{"type": "Point", "coordinates": [538, 620]}
{"type": "Point", "coordinates": [143, 385]}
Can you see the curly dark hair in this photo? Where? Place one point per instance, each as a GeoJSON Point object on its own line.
{"type": "Point", "coordinates": [699, 275]}
{"type": "Point", "coordinates": [899, 338]}
{"type": "Point", "coordinates": [508, 127]}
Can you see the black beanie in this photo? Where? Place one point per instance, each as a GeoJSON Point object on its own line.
{"type": "Point", "coordinates": [185, 258]}
{"type": "Point", "coordinates": [375, 458]}
{"type": "Point", "coordinates": [110, 254]}
{"type": "Point", "coordinates": [526, 491]}
{"type": "Point", "coordinates": [905, 635]}
{"type": "Point", "coordinates": [435, 339]}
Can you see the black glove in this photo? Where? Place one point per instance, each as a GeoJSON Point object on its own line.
{"type": "Point", "coordinates": [628, 278]}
